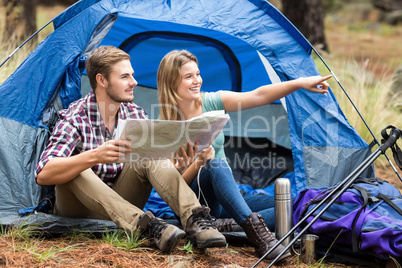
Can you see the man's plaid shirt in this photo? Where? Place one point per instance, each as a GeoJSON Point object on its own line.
{"type": "Point", "coordinates": [80, 128]}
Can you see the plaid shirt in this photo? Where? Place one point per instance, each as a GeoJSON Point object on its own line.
{"type": "Point", "coordinates": [80, 128]}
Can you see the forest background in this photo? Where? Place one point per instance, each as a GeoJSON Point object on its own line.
{"type": "Point", "coordinates": [359, 40]}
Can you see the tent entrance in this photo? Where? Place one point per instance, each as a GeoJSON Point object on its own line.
{"type": "Point", "coordinates": [219, 55]}
{"type": "Point", "coordinates": [257, 161]}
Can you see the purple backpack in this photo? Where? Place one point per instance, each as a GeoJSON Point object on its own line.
{"type": "Point", "coordinates": [367, 217]}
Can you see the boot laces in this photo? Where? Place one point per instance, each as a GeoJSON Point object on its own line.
{"type": "Point", "coordinates": [224, 225]}
{"type": "Point", "coordinates": [156, 226]}
{"type": "Point", "coordinates": [204, 220]}
{"type": "Point", "coordinates": [263, 230]}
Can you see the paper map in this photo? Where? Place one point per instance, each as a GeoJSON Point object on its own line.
{"type": "Point", "coordinates": [154, 139]}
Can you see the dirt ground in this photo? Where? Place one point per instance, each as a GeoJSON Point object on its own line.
{"type": "Point", "coordinates": [388, 174]}
{"type": "Point", "coordinates": [82, 252]}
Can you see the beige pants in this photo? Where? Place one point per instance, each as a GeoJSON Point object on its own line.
{"type": "Point", "coordinates": [87, 196]}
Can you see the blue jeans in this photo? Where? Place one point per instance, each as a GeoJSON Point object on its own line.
{"type": "Point", "coordinates": [220, 193]}
{"type": "Point", "coordinates": [262, 204]}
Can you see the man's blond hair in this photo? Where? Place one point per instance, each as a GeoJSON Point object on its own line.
{"type": "Point", "coordinates": [101, 61]}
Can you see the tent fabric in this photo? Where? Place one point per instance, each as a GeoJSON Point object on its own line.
{"type": "Point", "coordinates": [241, 20]}
{"type": "Point", "coordinates": [55, 225]}
{"type": "Point", "coordinates": [20, 148]}
{"type": "Point", "coordinates": [240, 44]}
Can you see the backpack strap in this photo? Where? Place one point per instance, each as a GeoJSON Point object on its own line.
{"type": "Point", "coordinates": [372, 181]}
{"type": "Point", "coordinates": [396, 151]}
{"type": "Point", "coordinates": [369, 199]}
{"type": "Point", "coordinates": [355, 241]}
{"type": "Point", "coordinates": [389, 202]}
{"type": "Point", "coordinates": [365, 195]}
{"type": "Point", "coordinates": [372, 143]}
{"type": "Point", "coordinates": [317, 199]}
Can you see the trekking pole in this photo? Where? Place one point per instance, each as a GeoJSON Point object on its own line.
{"type": "Point", "coordinates": [394, 135]}
{"type": "Point", "coordinates": [291, 231]}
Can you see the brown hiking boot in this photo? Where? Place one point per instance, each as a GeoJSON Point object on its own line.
{"type": "Point", "coordinates": [262, 239]}
{"type": "Point", "coordinates": [227, 225]}
{"type": "Point", "coordinates": [161, 234]}
{"type": "Point", "coordinates": [201, 231]}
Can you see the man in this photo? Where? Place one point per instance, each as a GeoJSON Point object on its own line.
{"type": "Point", "coordinates": [81, 155]}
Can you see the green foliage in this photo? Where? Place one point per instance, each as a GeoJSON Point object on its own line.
{"type": "Point", "coordinates": [230, 250]}
{"type": "Point", "coordinates": [123, 240]}
{"type": "Point", "coordinates": [22, 232]}
{"type": "Point", "coordinates": [46, 255]}
{"type": "Point", "coordinates": [188, 248]}
{"type": "Point", "coordinates": [28, 239]}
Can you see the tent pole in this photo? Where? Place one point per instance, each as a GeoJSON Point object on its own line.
{"type": "Point", "coordinates": [358, 112]}
{"type": "Point", "coordinates": [18, 48]}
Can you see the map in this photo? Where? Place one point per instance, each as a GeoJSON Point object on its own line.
{"type": "Point", "coordinates": [153, 139]}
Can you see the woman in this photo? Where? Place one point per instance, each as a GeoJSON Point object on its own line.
{"type": "Point", "coordinates": [179, 84]}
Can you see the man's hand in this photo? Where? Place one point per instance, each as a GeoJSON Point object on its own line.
{"type": "Point", "coordinates": [110, 151]}
{"type": "Point", "coordinates": [60, 170]}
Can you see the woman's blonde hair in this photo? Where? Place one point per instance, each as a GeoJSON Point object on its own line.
{"type": "Point", "coordinates": [168, 79]}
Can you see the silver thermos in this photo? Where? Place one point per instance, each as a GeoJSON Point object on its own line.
{"type": "Point", "coordinates": [283, 210]}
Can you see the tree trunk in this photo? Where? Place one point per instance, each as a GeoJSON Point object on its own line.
{"type": "Point", "coordinates": [308, 17]}
{"type": "Point", "coordinates": [20, 20]}
{"type": "Point", "coordinates": [388, 5]}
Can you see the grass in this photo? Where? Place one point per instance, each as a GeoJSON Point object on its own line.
{"type": "Point", "coordinates": [123, 240]}
{"type": "Point", "coordinates": [372, 97]}
{"type": "Point", "coordinates": [188, 248]}
{"type": "Point", "coordinates": [27, 241]}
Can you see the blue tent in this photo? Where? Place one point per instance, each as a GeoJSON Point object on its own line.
{"type": "Point", "coordinates": [240, 44]}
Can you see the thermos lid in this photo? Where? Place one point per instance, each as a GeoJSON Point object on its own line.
{"type": "Point", "coordinates": [282, 186]}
